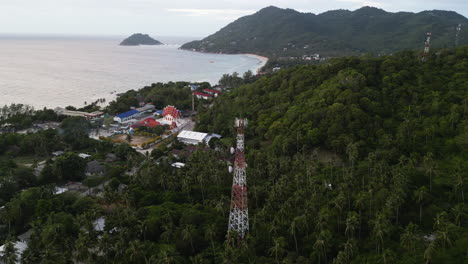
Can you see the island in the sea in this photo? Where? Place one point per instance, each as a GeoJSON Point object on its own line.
{"type": "Point", "coordinates": [139, 39]}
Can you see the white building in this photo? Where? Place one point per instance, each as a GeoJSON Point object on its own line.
{"type": "Point", "coordinates": [195, 138]}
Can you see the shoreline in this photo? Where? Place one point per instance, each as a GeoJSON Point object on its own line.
{"type": "Point", "coordinates": [263, 60]}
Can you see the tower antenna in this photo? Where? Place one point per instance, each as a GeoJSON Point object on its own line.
{"type": "Point", "coordinates": [239, 215]}
{"type": "Point", "coordinates": [426, 47]}
{"type": "Point", "coordinates": [457, 35]}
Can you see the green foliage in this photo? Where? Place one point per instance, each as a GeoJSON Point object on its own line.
{"type": "Point", "coordinates": [361, 160]}
{"type": "Point", "coordinates": [276, 32]}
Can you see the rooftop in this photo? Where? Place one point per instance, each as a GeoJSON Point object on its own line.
{"type": "Point", "coordinates": [192, 135]}
{"type": "Point", "coordinates": [128, 113]}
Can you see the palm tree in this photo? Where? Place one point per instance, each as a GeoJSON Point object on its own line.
{"type": "Point", "coordinates": [430, 251]}
{"type": "Point", "coordinates": [9, 253]}
{"type": "Point", "coordinates": [278, 248]}
{"type": "Point", "coordinates": [380, 229]}
{"type": "Point", "coordinates": [439, 220]}
{"type": "Point", "coordinates": [429, 167]}
{"type": "Point", "coordinates": [459, 212]}
{"type": "Point", "coordinates": [82, 246]}
{"type": "Point", "coordinates": [136, 251]}
{"type": "Point", "coordinates": [297, 223]}
{"type": "Point", "coordinates": [409, 237]}
{"type": "Point", "coordinates": [420, 195]}
{"type": "Point", "coordinates": [168, 232]}
{"type": "Point", "coordinates": [187, 234]}
{"type": "Point", "coordinates": [459, 184]}
{"type": "Point", "coordinates": [321, 244]}
{"type": "Point", "coordinates": [210, 234]}
{"type": "Point", "coordinates": [349, 248]}
{"type": "Point", "coordinates": [351, 223]}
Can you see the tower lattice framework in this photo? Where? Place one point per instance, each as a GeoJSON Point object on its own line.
{"type": "Point", "coordinates": [239, 215]}
{"type": "Point", "coordinates": [427, 45]}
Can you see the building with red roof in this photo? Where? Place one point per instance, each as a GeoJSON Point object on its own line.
{"type": "Point", "coordinates": [150, 122]}
{"type": "Point", "coordinates": [170, 113]}
{"type": "Point", "coordinates": [215, 93]}
{"type": "Point", "coordinates": [201, 95]}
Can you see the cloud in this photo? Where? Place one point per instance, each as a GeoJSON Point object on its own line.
{"type": "Point", "coordinates": [203, 12]}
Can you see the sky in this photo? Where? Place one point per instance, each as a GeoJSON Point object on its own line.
{"type": "Point", "coordinates": [190, 18]}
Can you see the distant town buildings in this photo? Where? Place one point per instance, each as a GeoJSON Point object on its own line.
{"type": "Point", "coordinates": [89, 116]}
{"type": "Point", "coordinates": [134, 113]}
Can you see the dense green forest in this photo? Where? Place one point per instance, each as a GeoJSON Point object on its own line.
{"type": "Point", "coordinates": [359, 160]}
{"type": "Point", "coordinates": [276, 32]}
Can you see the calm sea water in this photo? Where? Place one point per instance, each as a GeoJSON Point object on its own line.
{"type": "Point", "coordinates": [60, 71]}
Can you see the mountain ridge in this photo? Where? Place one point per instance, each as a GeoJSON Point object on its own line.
{"type": "Point", "coordinates": [277, 32]}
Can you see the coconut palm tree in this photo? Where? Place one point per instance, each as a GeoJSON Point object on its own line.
{"type": "Point", "coordinates": [429, 167]}
{"type": "Point", "coordinates": [459, 184]}
{"type": "Point", "coordinates": [420, 194]}
{"type": "Point", "coordinates": [351, 224]}
{"type": "Point", "coordinates": [9, 253]}
{"type": "Point", "coordinates": [210, 234]}
{"type": "Point", "coordinates": [459, 212]}
{"type": "Point", "coordinates": [187, 234]}
{"type": "Point", "coordinates": [277, 249]}
{"type": "Point", "coordinates": [322, 243]}
{"type": "Point", "coordinates": [409, 237]}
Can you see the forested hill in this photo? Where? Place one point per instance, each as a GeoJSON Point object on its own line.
{"type": "Point", "coordinates": [279, 32]}
{"type": "Point", "coordinates": [360, 160]}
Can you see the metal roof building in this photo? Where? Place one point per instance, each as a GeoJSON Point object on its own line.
{"type": "Point", "coordinates": [126, 116]}
{"type": "Point", "coordinates": [195, 138]}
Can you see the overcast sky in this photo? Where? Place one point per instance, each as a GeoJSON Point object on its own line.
{"type": "Point", "coordinates": [194, 18]}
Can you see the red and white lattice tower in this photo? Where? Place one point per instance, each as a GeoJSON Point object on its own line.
{"type": "Point", "coordinates": [239, 216]}
{"type": "Point", "coordinates": [426, 46]}
{"type": "Point", "coordinates": [457, 34]}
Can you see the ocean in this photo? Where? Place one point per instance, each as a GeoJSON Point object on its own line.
{"type": "Point", "coordinates": [57, 71]}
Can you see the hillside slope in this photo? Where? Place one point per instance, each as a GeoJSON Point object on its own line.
{"type": "Point", "coordinates": [359, 160]}
{"type": "Point", "coordinates": [285, 32]}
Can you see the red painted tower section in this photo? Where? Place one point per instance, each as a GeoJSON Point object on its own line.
{"type": "Point", "coordinates": [239, 215]}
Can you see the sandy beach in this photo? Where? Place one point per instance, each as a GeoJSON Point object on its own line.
{"type": "Point", "coordinates": [263, 60]}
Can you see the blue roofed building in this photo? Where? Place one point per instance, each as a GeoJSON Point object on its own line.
{"type": "Point", "coordinates": [126, 116]}
{"type": "Point", "coordinates": [193, 87]}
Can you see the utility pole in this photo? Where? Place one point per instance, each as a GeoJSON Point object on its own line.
{"type": "Point", "coordinates": [239, 215]}
{"type": "Point", "coordinates": [193, 103]}
{"type": "Point", "coordinates": [426, 47]}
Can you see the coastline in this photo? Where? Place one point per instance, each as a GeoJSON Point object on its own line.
{"type": "Point", "coordinates": [263, 60]}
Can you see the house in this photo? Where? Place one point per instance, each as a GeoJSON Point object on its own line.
{"type": "Point", "coordinates": [94, 115]}
{"type": "Point", "coordinates": [213, 92]}
{"type": "Point", "coordinates": [195, 138]}
{"type": "Point", "coordinates": [149, 122]}
{"type": "Point", "coordinates": [84, 155]}
{"type": "Point", "coordinates": [170, 114]}
{"type": "Point", "coordinates": [201, 95]}
{"type": "Point", "coordinates": [193, 87]}
{"type": "Point", "coordinates": [58, 153]}
{"type": "Point", "coordinates": [126, 116]}
{"type": "Point", "coordinates": [178, 165]}
{"type": "Point", "coordinates": [94, 167]}
{"type": "Point", "coordinates": [146, 108]}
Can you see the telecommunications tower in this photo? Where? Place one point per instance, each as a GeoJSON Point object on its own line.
{"type": "Point", "coordinates": [426, 47]}
{"type": "Point", "coordinates": [457, 35]}
{"type": "Point", "coordinates": [239, 215]}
